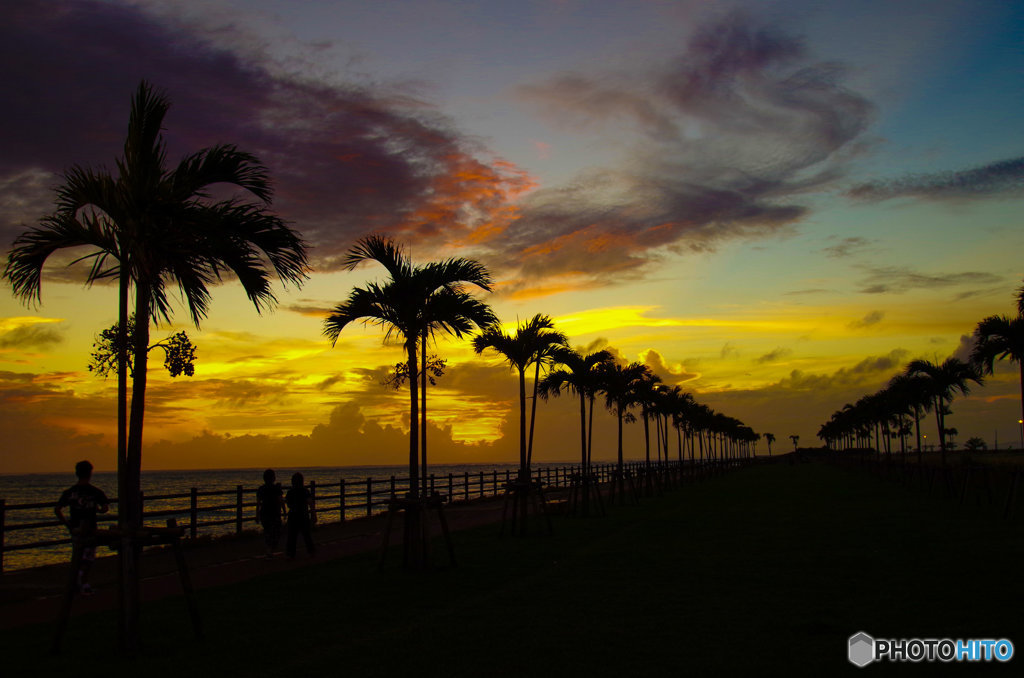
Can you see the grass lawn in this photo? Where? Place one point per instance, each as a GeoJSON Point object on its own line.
{"type": "Point", "coordinates": [765, 571]}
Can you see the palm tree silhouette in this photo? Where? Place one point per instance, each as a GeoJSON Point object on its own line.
{"type": "Point", "coordinates": [415, 303]}
{"type": "Point", "coordinates": [451, 310]}
{"type": "Point", "coordinates": [579, 373]}
{"type": "Point", "coordinates": [645, 394]}
{"type": "Point", "coordinates": [795, 439]}
{"type": "Point", "coordinates": [911, 395]}
{"type": "Point", "coordinates": [532, 342]}
{"type": "Point", "coordinates": [999, 337]}
{"type": "Point", "coordinates": [943, 381]}
{"type": "Point", "coordinates": [769, 438]}
{"type": "Point", "coordinates": [152, 226]}
{"type": "Point", "coordinates": [676, 406]}
{"type": "Point", "coordinates": [619, 384]}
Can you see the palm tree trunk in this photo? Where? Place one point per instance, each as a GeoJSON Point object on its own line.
{"type": "Point", "coordinates": [590, 433]}
{"type": "Point", "coordinates": [140, 358]}
{"type": "Point", "coordinates": [1022, 391]}
{"type": "Point", "coordinates": [415, 546]}
{"type": "Point", "coordinates": [647, 441]}
{"type": "Point", "coordinates": [940, 418]}
{"type": "Point", "coordinates": [619, 409]}
{"type": "Point", "coordinates": [533, 415]}
{"type": "Point", "coordinates": [524, 473]}
{"type": "Point", "coordinates": [423, 412]}
{"type": "Point", "coordinates": [583, 451]}
{"type": "Point", "coordinates": [126, 560]}
{"type": "Point", "coordinates": [414, 421]}
{"type": "Point", "coordinates": [917, 429]}
{"type": "Point", "coordinates": [131, 503]}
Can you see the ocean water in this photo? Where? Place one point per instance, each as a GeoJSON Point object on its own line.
{"type": "Point", "coordinates": [45, 489]}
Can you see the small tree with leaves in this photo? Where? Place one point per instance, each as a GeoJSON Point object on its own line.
{"type": "Point", "coordinates": [179, 352]}
{"type": "Point", "coordinates": [397, 377]}
{"type": "Point", "coordinates": [974, 444]}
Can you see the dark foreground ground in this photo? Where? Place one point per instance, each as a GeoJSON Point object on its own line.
{"type": "Point", "coordinates": [765, 571]}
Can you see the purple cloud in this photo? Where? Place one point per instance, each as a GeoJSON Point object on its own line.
{"type": "Point", "coordinates": [998, 179]}
{"type": "Point", "coordinates": [346, 160]}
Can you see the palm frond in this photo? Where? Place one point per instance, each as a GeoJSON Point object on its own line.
{"type": "Point", "coordinates": [220, 164]}
{"type": "Point", "coordinates": [34, 247]}
{"type": "Point", "coordinates": [372, 305]}
{"type": "Point", "coordinates": [384, 251]}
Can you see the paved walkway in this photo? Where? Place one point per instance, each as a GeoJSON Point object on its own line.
{"type": "Point", "coordinates": [33, 595]}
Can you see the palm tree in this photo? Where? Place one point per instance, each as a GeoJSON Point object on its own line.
{"type": "Point", "coordinates": [619, 384]}
{"type": "Point", "coordinates": [450, 309]}
{"type": "Point", "coordinates": [911, 395]}
{"type": "Point", "coordinates": [677, 406]}
{"type": "Point", "coordinates": [769, 438]}
{"type": "Point", "coordinates": [531, 343]}
{"type": "Point", "coordinates": [414, 304]}
{"type": "Point", "coordinates": [997, 338]}
{"type": "Point", "coordinates": [548, 343]}
{"type": "Point", "coordinates": [646, 395]}
{"type": "Point", "coordinates": [795, 439]}
{"type": "Point", "coordinates": [579, 374]}
{"type": "Point", "coordinates": [943, 382]}
{"type": "Point", "coordinates": [151, 227]}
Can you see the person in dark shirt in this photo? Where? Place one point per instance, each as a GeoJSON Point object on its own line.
{"type": "Point", "coordinates": [84, 501]}
{"type": "Point", "coordinates": [269, 509]}
{"type": "Point", "coordinates": [301, 514]}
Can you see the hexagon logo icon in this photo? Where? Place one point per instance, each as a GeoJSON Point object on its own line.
{"type": "Point", "coordinates": [862, 649]}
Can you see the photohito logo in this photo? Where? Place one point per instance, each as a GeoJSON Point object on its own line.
{"type": "Point", "coordinates": [863, 649]}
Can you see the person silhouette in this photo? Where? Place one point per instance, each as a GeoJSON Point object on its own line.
{"type": "Point", "coordinates": [84, 501]}
{"type": "Point", "coordinates": [269, 510]}
{"type": "Point", "coordinates": [301, 515]}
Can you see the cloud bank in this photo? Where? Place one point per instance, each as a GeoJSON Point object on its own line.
{"type": "Point", "coordinates": [1003, 179]}
{"type": "Point", "coordinates": [346, 159]}
{"type": "Point", "coordinates": [722, 142]}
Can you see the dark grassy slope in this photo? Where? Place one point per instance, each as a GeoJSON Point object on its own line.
{"type": "Point", "coordinates": [770, 568]}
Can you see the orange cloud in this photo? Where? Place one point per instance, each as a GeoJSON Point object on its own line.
{"type": "Point", "coordinates": [469, 201]}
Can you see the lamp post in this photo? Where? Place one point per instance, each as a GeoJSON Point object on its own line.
{"type": "Point", "coordinates": [1020, 422]}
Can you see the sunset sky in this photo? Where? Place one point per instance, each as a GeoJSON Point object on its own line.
{"type": "Point", "coordinates": [776, 205]}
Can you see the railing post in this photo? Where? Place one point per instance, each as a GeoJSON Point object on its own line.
{"type": "Point", "coordinates": [3, 522]}
{"type": "Point", "coordinates": [494, 482]}
{"type": "Point", "coordinates": [432, 484]}
{"type": "Point", "coordinates": [451, 487]}
{"type": "Point", "coordinates": [341, 499]}
{"type": "Point", "coordinates": [481, 483]}
{"type": "Point", "coordinates": [193, 512]}
{"type": "Point", "coordinates": [393, 497]}
{"type": "Point", "coordinates": [238, 509]}
{"type": "Point", "coordinates": [369, 497]}
{"type": "Point", "coordinates": [466, 490]}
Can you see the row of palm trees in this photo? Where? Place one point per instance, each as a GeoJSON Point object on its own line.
{"type": "Point", "coordinates": [419, 302]}
{"type": "Point", "coordinates": [152, 227]}
{"type": "Point", "coordinates": [896, 410]}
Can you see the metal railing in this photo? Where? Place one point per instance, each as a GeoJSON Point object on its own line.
{"type": "Point", "coordinates": [207, 512]}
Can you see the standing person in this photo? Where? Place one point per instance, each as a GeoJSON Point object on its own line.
{"type": "Point", "coordinates": [84, 501]}
{"type": "Point", "coordinates": [301, 514]}
{"type": "Point", "coordinates": [269, 510]}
